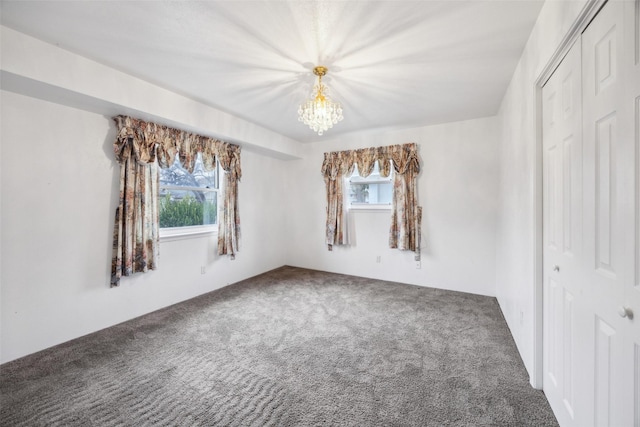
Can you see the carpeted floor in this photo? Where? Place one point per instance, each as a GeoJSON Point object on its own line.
{"type": "Point", "coordinates": [291, 347]}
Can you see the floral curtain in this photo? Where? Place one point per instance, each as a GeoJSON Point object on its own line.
{"type": "Point", "coordinates": [406, 217]}
{"type": "Point", "coordinates": [141, 147]}
{"type": "Point", "coordinates": [229, 217]}
{"type": "Point", "coordinates": [136, 224]}
{"type": "Point", "coordinates": [335, 167]}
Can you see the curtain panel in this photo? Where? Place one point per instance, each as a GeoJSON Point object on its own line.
{"type": "Point", "coordinates": [140, 148]}
{"type": "Point", "coordinates": [406, 215]}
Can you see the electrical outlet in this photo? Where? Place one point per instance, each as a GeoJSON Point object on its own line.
{"type": "Point", "coordinates": [418, 265]}
{"type": "Point", "coordinates": [378, 259]}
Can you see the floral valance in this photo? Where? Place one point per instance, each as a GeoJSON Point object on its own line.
{"type": "Point", "coordinates": [151, 141]}
{"type": "Point", "coordinates": [403, 157]}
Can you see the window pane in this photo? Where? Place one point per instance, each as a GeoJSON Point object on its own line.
{"type": "Point", "coordinates": [359, 193]}
{"type": "Point", "coordinates": [378, 193]}
{"type": "Point", "coordinates": [373, 189]}
{"type": "Point", "coordinates": [176, 175]}
{"type": "Point", "coordinates": [189, 206]}
{"type": "Point", "coordinates": [183, 208]}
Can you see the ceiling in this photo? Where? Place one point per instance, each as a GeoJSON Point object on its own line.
{"type": "Point", "coordinates": [392, 64]}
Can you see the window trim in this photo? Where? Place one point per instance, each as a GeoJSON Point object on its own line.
{"type": "Point", "coordinates": [169, 234]}
{"type": "Point", "coordinates": [185, 188]}
{"type": "Point", "coordinates": [193, 231]}
{"type": "Point", "coordinates": [361, 180]}
{"type": "Point", "coordinates": [369, 206]}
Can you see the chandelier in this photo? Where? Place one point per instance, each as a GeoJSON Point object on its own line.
{"type": "Point", "coordinates": [320, 112]}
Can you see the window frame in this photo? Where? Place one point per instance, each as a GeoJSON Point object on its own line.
{"type": "Point", "coordinates": [192, 231]}
{"type": "Point", "coordinates": [369, 180]}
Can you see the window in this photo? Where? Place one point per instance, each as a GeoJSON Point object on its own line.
{"type": "Point", "coordinates": [372, 192]}
{"type": "Point", "coordinates": [188, 202]}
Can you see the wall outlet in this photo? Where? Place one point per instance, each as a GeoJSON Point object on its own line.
{"type": "Point", "coordinates": [418, 265]}
{"type": "Point", "coordinates": [378, 259]}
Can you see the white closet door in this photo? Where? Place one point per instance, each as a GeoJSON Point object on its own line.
{"type": "Point", "coordinates": [610, 120]}
{"type": "Point", "coordinates": [562, 189]}
{"type": "Point", "coordinates": [591, 174]}
{"type": "Point", "coordinates": [631, 130]}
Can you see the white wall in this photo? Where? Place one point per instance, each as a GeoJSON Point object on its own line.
{"type": "Point", "coordinates": [457, 189]}
{"type": "Point", "coordinates": [59, 184]}
{"type": "Point", "coordinates": [58, 197]}
{"type": "Point", "coordinates": [477, 190]}
{"type": "Point", "coordinates": [515, 268]}
{"type": "Point", "coordinates": [59, 193]}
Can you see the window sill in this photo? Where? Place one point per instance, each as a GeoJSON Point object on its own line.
{"type": "Point", "coordinates": [180, 233]}
{"type": "Point", "coordinates": [358, 181]}
{"type": "Point", "coordinates": [370, 207]}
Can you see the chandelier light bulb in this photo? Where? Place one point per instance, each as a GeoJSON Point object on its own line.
{"type": "Point", "coordinates": [320, 113]}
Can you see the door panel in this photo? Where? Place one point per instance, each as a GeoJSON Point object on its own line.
{"type": "Point", "coordinates": [610, 93]}
{"type": "Point", "coordinates": [591, 217]}
{"type": "Point", "coordinates": [605, 336]}
{"type": "Point", "coordinates": [568, 368]}
{"type": "Point", "coordinates": [637, 168]}
{"type": "Point", "coordinates": [605, 204]}
{"type": "Point", "coordinates": [636, 380]}
{"type": "Point", "coordinates": [562, 200]}
{"type": "Point", "coordinates": [569, 160]}
{"type": "Point", "coordinates": [632, 130]}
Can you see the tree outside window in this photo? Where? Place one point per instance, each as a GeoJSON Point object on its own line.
{"type": "Point", "coordinates": [188, 199]}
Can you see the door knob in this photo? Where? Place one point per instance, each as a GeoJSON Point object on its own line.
{"type": "Point", "coordinates": [556, 268]}
{"type": "Point", "coordinates": [625, 312]}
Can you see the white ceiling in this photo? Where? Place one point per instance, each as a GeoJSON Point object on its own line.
{"type": "Point", "coordinates": [392, 64]}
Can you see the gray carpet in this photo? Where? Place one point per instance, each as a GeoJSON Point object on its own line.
{"type": "Point", "coordinates": [291, 347]}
